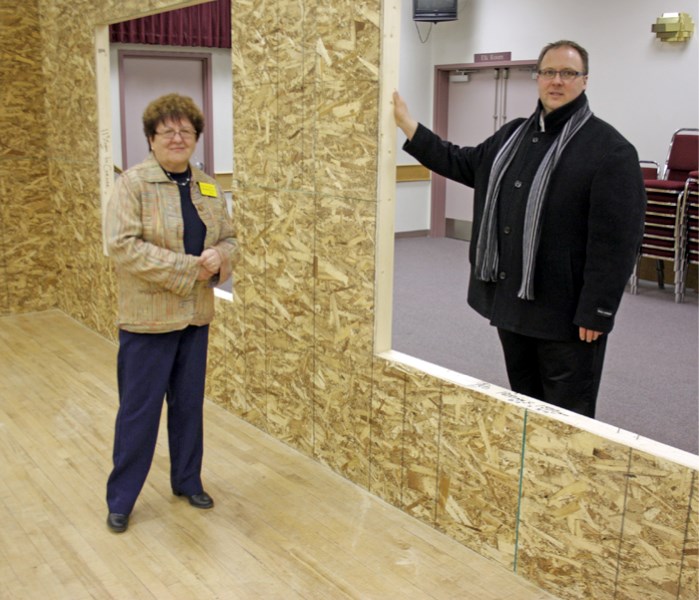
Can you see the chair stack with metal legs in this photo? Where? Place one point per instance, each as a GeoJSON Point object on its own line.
{"type": "Point", "coordinates": [690, 200]}
{"type": "Point", "coordinates": [664, 239]}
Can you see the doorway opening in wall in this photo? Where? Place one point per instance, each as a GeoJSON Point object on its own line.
{"type": "Point", "coordinates": [431, 318]}
{"type": "Point", "coordinates": [187, 51]}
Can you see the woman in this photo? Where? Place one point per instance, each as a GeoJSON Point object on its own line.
{"type": "Point", "coordinates": [171, 240]}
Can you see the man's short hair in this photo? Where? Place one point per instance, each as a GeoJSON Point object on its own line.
{"type": "Point", "coordinates": [563, 44]}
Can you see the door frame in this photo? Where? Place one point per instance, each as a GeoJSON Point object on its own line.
{"type": "Point", "coordinates": [207, 108]}
{"type": "Point", "coordinates": [440, 125]}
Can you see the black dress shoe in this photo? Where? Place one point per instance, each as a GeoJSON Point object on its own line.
{"type": "Point", "coordinates": [117, 523]}
{"type": "Point", "coordinates": [202, 500]}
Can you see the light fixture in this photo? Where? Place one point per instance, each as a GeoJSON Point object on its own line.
{"type": "Point", "coordinates": [459, 77]}
{"type": "Point", "coordinates": [673, 27]}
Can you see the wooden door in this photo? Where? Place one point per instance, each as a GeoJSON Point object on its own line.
{"type": "Point", "coordinates": [475, 109]}
{"type": "Point", "coordinates": [144, 76]}
{"type": "Point", "coordinates": [472, 117]}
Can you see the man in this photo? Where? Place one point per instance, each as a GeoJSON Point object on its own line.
{"type": "Point", "coordinates": [558, 218]}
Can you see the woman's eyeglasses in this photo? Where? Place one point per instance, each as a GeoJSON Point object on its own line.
{"type": "Point", "coordinates": [169, 134]}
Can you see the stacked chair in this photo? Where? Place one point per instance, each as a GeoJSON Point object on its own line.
{"type": "Point", "coordinates": [691, 228]}
{"type": "Point", "coordinates": [665, 232]}
{"type": "Point", "coordinates": [650, 169]}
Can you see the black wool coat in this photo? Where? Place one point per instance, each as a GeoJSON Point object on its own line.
{"type": "Point", "coordinates": [591, 229]}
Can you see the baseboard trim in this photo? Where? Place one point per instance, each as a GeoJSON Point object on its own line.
{"type": "Point", "coordinates": [412, 234]}
{"type": "Point", "coordinates": [459, 230]}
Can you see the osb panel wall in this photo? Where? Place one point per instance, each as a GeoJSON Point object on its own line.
{"type": "Point", "coordinates": [305, 109]}
{"type": "Point", "coordinates": [479, 472]}
{"type": "Point", "coordinates": [27, 274]}
{"type": "Point", "coordinates": [580, 515]}
{"type": "Point", "coordinates": [86, 289]}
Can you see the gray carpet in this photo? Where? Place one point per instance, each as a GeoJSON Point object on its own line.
{"type": "Point", "coordinates": [650, 384]}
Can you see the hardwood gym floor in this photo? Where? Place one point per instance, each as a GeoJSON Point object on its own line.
{"type": "Point", "coordinates": [284, 526]}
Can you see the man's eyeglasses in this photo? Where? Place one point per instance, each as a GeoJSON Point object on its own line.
{"type": "Point", "coordinates": [169, 134]}
{"type": "Point", "coordinates": [565, 74]}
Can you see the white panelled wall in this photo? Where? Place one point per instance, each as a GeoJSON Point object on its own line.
{"type": "Point", "coordinates": [644, 87]}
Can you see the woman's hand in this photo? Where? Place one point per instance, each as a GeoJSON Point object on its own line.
{"type": "Point", "coordinates": [210, 259]}
{"type": "Point", "coordinates": [209, 264]}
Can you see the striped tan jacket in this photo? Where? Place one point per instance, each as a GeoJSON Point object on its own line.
{"type": "Point", "coordinates": [158, 287]}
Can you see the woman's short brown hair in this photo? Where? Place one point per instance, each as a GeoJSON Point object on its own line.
{"type": "Point", "coordinates": [175, 107]}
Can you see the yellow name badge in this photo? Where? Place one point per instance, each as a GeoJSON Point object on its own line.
{"type": "Point", "coordinates": [208, 189]}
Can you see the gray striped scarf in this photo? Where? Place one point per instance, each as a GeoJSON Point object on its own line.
{"type": "Point", "coordinates": [487, 247]}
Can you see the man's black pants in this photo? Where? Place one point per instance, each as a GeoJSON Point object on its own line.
{"type": "Point", "coordinates": [565, 374]}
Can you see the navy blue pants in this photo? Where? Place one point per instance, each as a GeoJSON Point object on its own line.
{"type": "Point", "coordinates": [150, 368]}
{"type": "Point", "coordinates": [565, 374]}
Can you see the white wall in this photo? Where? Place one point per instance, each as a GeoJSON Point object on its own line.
{"type": "Point", "coordinates": [222, 99]}
{"type": "Point", "coordinates": [415, 85]}
{"type": "Point", "coordinates": [645, 88]}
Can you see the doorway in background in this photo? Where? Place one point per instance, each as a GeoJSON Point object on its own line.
{"type": "Point", "coordinates": [146, 75]}
{"type": "Point", "coordinates": [471, 102]}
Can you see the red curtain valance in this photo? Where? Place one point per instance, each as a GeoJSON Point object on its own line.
{"type": "Point", "coordinates": [207, 25]}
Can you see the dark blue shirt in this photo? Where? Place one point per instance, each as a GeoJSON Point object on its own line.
{"type": "Point", "coordinates": [194, 228]}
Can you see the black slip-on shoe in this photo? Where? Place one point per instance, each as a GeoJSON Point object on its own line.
{"type": "Point", "coordinates": [117, 523]}
{"type": "Point", "coordinates": [202, 500]}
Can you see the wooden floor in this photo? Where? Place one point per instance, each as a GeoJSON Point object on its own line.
{"type": "Point", "coordinates": [283, 527]}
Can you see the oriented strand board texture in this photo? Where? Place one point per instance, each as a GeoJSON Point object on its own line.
{"type": "Point", "coordinates": [289, 318]}
{"type": "Point", "coordinates": [423, 398]}
{"type": "Point", "coordinates": [217, 384]}
{"type": "Point", "coordinates": [27, 217]}
{"type": "Point", "coordinates": [387, 421]}
{"type": "Point", "coordinates": [479, 472]}
{"type": "Point", "coordinates": [572, 509]}
{"type": "Point", "coordinates": [249, 307]}
{"type": "Point", "coordinates": [305, 108]}
{"type": "Point", "coordinates": [73, 155]}
{"type": "Point", "coordinates": [344, 332]}
{"type": "Point", "coordinates": [689, 576]}
{"type": "Point", "coordinates": [87, 288]}
{"type": "Point", "coordinates": [656, 550]}
{"type": "Point", "coordinates": [582, 516]}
